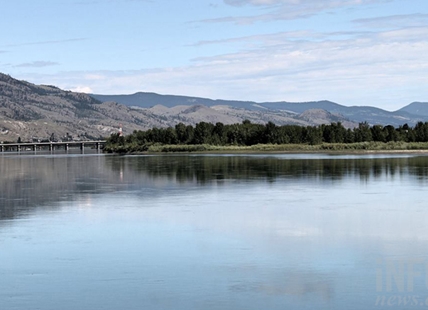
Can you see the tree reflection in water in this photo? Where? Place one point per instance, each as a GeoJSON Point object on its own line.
{"type": "Point", "coordinates": [28, 182]}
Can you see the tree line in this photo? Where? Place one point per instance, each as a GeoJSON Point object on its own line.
{"type": "Point", "coordinates": [247, 134]}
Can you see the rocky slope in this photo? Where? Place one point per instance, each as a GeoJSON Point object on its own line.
{"type": "Point", "coordinates": [29, 111]}
{"type": "Point", "coordinates": [33, 111]}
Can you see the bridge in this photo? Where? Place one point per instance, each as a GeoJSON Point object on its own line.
{"type": "Point", "coordinates": [51, 146]}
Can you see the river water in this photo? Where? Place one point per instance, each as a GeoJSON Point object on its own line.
{"type": "Point", "coordinates": [213, 232]}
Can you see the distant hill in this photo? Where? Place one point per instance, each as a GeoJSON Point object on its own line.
{"type": "Point", "coordinates": [355, 114]}
{"type": "Point", "coordinates": [37, 111]}
{"type": "Point", "coordinates": [31, 111]}
{"type": "Point", "coordinates": [148, 100]}
{"type": "Point", "coordinates": [416, 108]}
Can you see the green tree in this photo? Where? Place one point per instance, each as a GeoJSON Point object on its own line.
{"type": "Point", "coordinates": [313, 135]}
{"type": "Point", "coordinates": [406, 133]}
{"type": "Point", "coordinates": [421, 132]}
{"type": "Point", "coordinates": [349, 136]}
{"type": "Point", "coordinates": [169, 136]}
{"type": "Point", "coordinates": [271, 133]}
{"type": "Point", "coordinates": [190, 132]}
{"type": "Point", "coordinates": [202, 133]}
{"type": "Point", "coordinates": [363, 133]}
{"type": "Point", "coordinates": [181, 133]}
{"type": "Point", "coordinates": [390, 133]}
{"type": "Point", "coordinates": [378, 133]}
{"type": "Point", "coordinates": [219, 134]}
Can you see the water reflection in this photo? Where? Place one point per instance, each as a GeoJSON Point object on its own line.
{"type": "Point", "coordinates": [40, 181]}
{"type": "Point", "coordinates": [205, 169]}
{"type": "Point", "coordinates": [207, 232]}
{"type": "Point", "coordinates": [34, 181]}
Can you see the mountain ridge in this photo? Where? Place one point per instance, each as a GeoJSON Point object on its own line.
{"type": "Point", "coordinates": [31, 111]}
{"type": "Point", "coordinates": [370, 114]}
{"type": "Point", "coordinates": [416, 108]}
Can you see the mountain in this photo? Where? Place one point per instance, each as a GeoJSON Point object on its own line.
{"type": "Point", "coordinates": [358, 114]}
{"type": "Point", "coordinates": [148, 100]}
{"type": "Point", "coordinates": [416, 108]}
{"type": "Point", "coordinates": [319, 116]}
{"type": "Point", "coordinates": [32, 111]}
{"type": "Point", "coordinates": [354, 114]}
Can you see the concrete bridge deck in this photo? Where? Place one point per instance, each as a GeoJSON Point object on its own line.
{"type": "Point", "coordinates": [51, 146]}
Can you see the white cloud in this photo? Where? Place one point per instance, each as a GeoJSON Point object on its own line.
{"type": "Point", "coordinates": [317, 3]}
{"type": "Point", "coordinates": [290, 2]}
{"type": "Point", "coordinates": [45, 42]}
{"type": "Point", "coordinates": [274, 38]}
{"type": "Point", "coordinates": [82, 89]}
{"type": "Point", "coordinates": [409, 20]}
{"type": "Point", "coordinates": [288, 9]}
{"type": "Point", "coordinates": [37, 64]}
{"type": "Point", "coordinates": [387, 69]}
{"type": "Point", "coordinates": [94, 2]}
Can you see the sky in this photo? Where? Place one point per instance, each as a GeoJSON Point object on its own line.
{"type": "Point", "coordinates": [353, 52]}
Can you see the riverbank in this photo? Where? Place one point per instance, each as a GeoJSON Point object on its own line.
{"type": "Point", "coordinates": [361, 147]}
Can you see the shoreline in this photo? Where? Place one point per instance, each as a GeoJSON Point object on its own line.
{"type": "Point", "coordinates": [341, 148]}
{"type": "Point", "coordinates": [247, 152]}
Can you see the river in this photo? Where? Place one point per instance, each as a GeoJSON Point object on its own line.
{"type": "Point", "coordinates": [300, 231]}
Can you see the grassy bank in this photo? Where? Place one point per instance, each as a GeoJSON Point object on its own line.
{"type": "Point", "coordinates": [360, 147]}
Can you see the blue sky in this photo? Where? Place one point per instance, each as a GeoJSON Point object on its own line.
{"type": "Point", "coordinates": [353, 52]}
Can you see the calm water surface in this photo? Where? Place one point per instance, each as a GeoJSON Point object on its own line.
{"type": "Point", "coordinates": [213, 232]}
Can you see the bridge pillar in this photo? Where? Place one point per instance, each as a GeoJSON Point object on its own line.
{"type": "Point", "coordinates": [34, 147]}
{"type": "Point", "coordinates": [66, 147]}
{"type": "Point", "coordinates": [2, 148]}
{"type": "Point", "coordinates": [51, 147]}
